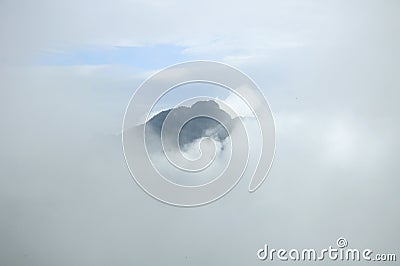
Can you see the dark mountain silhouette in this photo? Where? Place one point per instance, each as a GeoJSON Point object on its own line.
{"type": "Point", "coordinates": [198, 127]}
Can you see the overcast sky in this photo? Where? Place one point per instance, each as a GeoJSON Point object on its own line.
{"type": "Point", "coordinates": [330, 71]}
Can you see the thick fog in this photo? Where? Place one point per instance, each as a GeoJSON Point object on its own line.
{"type": "Point", "coordinates": [330, 72]}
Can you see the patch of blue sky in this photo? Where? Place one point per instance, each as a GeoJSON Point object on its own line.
{"type": "Point", "coordinates": [145, 57]}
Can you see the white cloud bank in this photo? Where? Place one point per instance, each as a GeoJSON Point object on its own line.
{"type": "Point", "coordinates": [330, 71]}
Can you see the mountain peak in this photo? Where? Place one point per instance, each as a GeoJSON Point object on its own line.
{"type": "Point", "coordinates": [198, 127]}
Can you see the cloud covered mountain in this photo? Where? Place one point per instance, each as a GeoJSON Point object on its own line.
{"type": "Point", "coordinates": [198, 127]}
